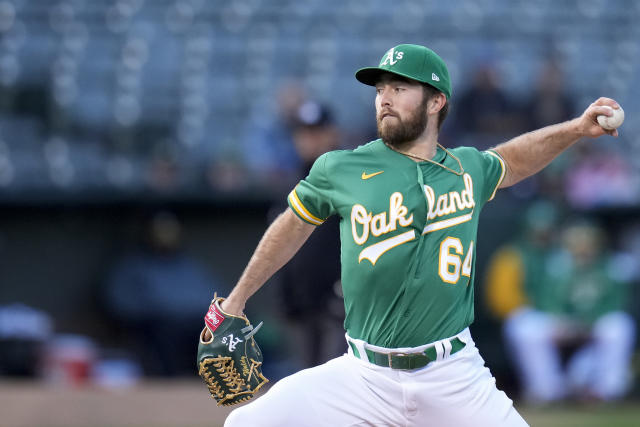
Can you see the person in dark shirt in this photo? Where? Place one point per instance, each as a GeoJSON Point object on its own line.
{"type": "Point", "coordinates": [155, 294]}
{"type": "Point", "coordinates": [311, 280]}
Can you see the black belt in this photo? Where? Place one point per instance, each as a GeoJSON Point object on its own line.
{"type": "Point", "coordinates": [407, 361]}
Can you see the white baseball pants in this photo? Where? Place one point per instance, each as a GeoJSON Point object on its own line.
{"type": "Point", "coordinates": [603, 365]}
{"type": "Point", "coordinates": [346, 391]}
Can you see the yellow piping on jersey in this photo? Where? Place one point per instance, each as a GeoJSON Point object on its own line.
{"type": "Point", "coordinates": [504, 170]}
{"type": "Point", "coordinates": [301, 210]}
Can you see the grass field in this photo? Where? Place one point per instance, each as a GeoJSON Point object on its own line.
{"type": "Point", "coordinates": [620, 415]}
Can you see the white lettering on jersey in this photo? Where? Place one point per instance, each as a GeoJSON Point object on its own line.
{"type": "Point", "coordinates": [378, 225]}
{"type": "Point", "coordinates": [451, 202]}
{"type": "Point", "coordinates": [373, 252]}
{"type": "Point", "coordinates": [364, 223]}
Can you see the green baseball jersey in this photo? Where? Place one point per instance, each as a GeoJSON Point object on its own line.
{"type": "Point", "coordinates": [586, 292]}
{"type": "Point", "coordinates": [541, 292]}
{"type": "Point", "coordinates": [408, 236]}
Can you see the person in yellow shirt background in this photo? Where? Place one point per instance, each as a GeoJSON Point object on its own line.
{"type": "Point", "coordinates": [562, 297]}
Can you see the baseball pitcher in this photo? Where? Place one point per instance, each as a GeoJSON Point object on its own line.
{"type": "Point", "coordinates": [408, 210]}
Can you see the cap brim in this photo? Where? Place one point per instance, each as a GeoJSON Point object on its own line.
{"type": "Point", "coordinates": [371, 75]}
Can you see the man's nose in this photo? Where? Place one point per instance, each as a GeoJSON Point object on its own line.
{"type": "Point", "coordinates": [386, 98]}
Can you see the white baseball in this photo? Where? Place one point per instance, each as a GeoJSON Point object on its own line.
{"type": "Point", "coordinates": [614, 121]}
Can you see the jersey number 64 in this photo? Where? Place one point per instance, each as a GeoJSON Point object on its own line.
{"type": "Point", "coordinates": [451, 264]}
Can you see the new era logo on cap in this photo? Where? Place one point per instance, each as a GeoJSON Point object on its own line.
{"type": "Point", "coordinates": [435, 77]}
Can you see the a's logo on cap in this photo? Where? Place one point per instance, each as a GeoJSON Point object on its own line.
{"type": "Point", "coordinates": [391, 57]}
{"type": "Point", "coordinates": [435, 77]}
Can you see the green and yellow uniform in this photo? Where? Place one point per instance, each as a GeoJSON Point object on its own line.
{"type": "Point", "coordinates": [589, 291]}
{"type": "Point", "coordinates": [408, 236]}
{"type": "Point", "coordinates": [517, 277]}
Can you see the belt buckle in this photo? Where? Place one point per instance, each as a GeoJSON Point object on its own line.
{"type": "Point", "coordinates": [390, 355]}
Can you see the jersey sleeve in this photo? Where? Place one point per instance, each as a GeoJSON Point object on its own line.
{"type": "Point", "coordinates": [311, 198]}
{"type": "Point", "coordinates": [494, 169]}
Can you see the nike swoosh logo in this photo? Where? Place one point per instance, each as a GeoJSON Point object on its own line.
{"type": "Point", "coordinates": [371, 175]}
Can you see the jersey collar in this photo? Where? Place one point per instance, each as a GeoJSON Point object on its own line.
{"type": "Point", "coordinates": [439, 157]}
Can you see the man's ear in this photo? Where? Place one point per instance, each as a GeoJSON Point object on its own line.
{"type": "Point", "coordinates": [436, 103]}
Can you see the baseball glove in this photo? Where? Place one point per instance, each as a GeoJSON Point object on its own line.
{"type": "Point", "coordinates": [229, 359]}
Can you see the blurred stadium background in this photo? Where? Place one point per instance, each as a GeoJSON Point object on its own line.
{"type": "Point", "coordinates": [113, 110]}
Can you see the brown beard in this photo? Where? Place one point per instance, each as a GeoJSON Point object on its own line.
{"type": "Point", "coordinates": [405, 130]}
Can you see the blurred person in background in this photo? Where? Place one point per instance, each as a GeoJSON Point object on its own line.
{"type": "Point", "coordinates": [597, 177]}
{"type": "Point", "coordinates": [24, 332]}
{"type": "Point", "coordinates": [516, 280]}
{"type": "Point", "coordinates": [485, 113]}
{"type": "Point", "coordinates": [579, 315]}
{"type": "Point", "coordinates": [156, 293]}
{"type": "Point", "coordinates": [516, 271]}
{"type": "Point", "coordinates": [311, 288]}
{"type": "Point", "coordinates": [269, 147]}
{"type": "Point", "coordinates": [593, 175]}
{"type": "Point", "coordinates": [549, 103]}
